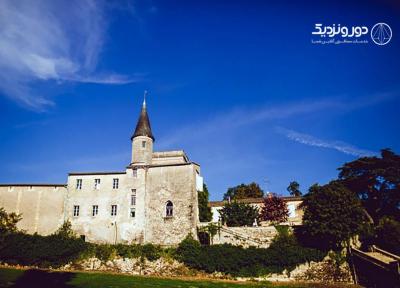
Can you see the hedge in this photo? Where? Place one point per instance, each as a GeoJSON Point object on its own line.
{"type": "Point", "coordinates": [283, 253]}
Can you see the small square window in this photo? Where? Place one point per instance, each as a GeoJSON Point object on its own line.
{"type": "Point", "coordinates": [143, 144]}
{"type": "Point", "coordinates": [134, 172]}
{"type": "Point", "coordinates": [133, 213]}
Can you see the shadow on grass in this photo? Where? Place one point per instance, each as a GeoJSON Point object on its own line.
{"type": "Point", "coordinates": [40, 279]}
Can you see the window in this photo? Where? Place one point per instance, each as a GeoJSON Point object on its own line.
{"type": "Point", "coordinates": [169, 209]}
{"type": "Point", "coordinates": [133, 197]}
{"type": "Point", "coordinates": [95, 210]}
{"type": "Point", "coordinates": [97, 184]}
{"type": "Point", "coordinates": [133, 211]}
{"type": "Point", "coordinates": [134, 172]}
{"type": "Point", "coordinates": [143, 144]}
{"type": "Point", "coordinates": [115, 183]}
{"type": "Point", "coordinates": [113, 210]}
{"type": "Point", "coordinates": [79, 184]}
{"type": "Point", "coordinates": [76, 210]}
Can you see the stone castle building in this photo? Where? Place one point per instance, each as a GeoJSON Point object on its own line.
{"type": "Point", "coordinates": [154, 200]}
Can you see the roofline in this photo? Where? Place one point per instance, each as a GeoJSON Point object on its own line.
{"type": "Point", "coordinates": [253, 200]}
{"type": "Point", "coordinates": [161, 165]}
{"type": "Point", "coordinates": [32, 184]}
{"type": "Point", "coordinates": [97, 173]}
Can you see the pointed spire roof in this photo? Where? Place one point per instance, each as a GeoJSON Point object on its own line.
{"type": "Point", "coordinates": [143, 127]}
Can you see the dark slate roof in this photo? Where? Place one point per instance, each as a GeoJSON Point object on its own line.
{"type": "Point", "coordinates": [143, 127]}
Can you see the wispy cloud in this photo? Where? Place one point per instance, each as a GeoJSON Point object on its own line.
{"type": "Point", "coordinates": [51, 41]}
{"type": "Point", "coordinates": [330, 144]}
{"type": "Point", "coordinates": [246, 116]}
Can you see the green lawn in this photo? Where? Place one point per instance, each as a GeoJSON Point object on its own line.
{"type": "Point", "coordinates": [39, 278]}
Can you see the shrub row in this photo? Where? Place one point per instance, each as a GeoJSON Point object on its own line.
{"type": "Point", "coordinates": [56, 250]}
{"type": "Point", "coordinates": [284, 253]}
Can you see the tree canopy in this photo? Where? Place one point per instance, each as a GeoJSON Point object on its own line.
{"type": "Point", "coordinates": [376, 180]}
{"type": "Point", "coordinates": [294, 189]}
{"type": "Point", "coordinates": [274, 209]}
{"type": "Point", "coordinates": [332, 215]}
{"type": "Point", "coordinates": [242, 191]}
{"type": "Point", "coordinates": [205, 214]}
{"type": "Point", "coordinates": [236, 214]}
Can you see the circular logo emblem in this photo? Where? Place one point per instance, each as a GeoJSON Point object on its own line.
{"type": "Point", "coordinates": [381, 33]}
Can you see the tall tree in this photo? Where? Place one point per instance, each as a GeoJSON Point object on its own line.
{"type": "Point", "coordinates": [236, 214]}
{"type": "Point", "coordinates": [332, 215]}
{"type": "Point", "coordinates": [294, 189]}
{"type": "Point", "coordinates": [241, 191]}
{"type": "Point", "coordinates": [205, 214]}
{"type": "Point", "coordinates": [376, 180]}
{"type": "Point", "coordinates": [274, 209]}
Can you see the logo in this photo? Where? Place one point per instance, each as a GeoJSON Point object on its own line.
{"type": "Point", "coordinates": [381, 33]}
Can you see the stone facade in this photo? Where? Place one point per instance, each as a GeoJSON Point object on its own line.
{"type": "Point", "coordinates": [154, 200]}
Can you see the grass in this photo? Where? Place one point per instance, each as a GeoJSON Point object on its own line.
{"type": "Point", "coordinates": [14, 278]}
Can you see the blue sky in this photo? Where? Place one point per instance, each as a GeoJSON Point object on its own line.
{"type": "Point", "coordinates": [239, 86]}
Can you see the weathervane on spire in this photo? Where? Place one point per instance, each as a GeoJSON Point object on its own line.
{"type": "Point", "coordinates": [144, 98]}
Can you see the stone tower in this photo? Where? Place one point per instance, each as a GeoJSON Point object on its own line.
{"type": "Point", "coordinates": [142, 139]}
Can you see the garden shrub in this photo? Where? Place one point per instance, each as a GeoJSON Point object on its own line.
{"type": "Point", "coordinates": [151, 252]}
{"type": "Point", "coordinates": [284, 253]}
{"type": "Point", "coordinates": [42, 251]}
{"type": "Point", "coordinates": [388, 235]}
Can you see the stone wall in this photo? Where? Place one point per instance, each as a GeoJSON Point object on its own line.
{"type": "Point", "coordinates": [41, 206]}
{"type": "Point", "coordinates": [175, 183]}
{"type": "Point", "coordinates": [246, 236]}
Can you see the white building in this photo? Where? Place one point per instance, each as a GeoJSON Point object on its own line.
{"type": "Point", "coordinates": [153, 200]}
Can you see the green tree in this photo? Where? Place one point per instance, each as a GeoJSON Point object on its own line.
{"type": "Point", "coordinates": [274, 209]}
{"type": "Point", "coordinates": [205, 214]}
{"type": "Point", "coordinates": [294, 189]}
{"type": "Point", "coordinates": [236, 214]}
{"type": "Point", "coordinates": [242, 191]}
{"type": "Point", "coordinates": [8, 221]}
{"type": "Point", "coordinates": [332, 215]}
{"type": "Point", "coordinates": [376, 180]}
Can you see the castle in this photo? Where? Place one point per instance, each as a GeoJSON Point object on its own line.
{"type": "Point", "coordinates": [154, 200]}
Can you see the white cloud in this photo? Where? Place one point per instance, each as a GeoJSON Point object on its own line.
{"type": "Point", "coordinates": [316, 142]}
{"type": "Point", "coordinates": [246, 117]}
{"type": "Point", "coordinates": [50, 41]}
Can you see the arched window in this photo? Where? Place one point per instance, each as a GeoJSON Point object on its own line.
{"type": "Point", "coordinates": [169, 209]}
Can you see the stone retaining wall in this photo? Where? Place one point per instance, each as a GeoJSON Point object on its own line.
{"type": "Point", "coordinates": [246, 236]}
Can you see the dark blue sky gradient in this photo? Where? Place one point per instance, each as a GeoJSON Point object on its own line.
{"type": "Point", "coordinates": [225, 78]}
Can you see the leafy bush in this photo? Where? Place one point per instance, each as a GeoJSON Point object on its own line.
{"type": "Point", "coordinates": [151, 252]}
{"type": "Point", "coordinates": [284, 253]}
{"type": "Point", "coordinates": [42, 251]}
{"type": "Point", "coordinates": [388, 235]}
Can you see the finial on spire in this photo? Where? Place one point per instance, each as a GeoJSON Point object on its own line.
{"type": "Point", "coordinates": [144, 98]}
